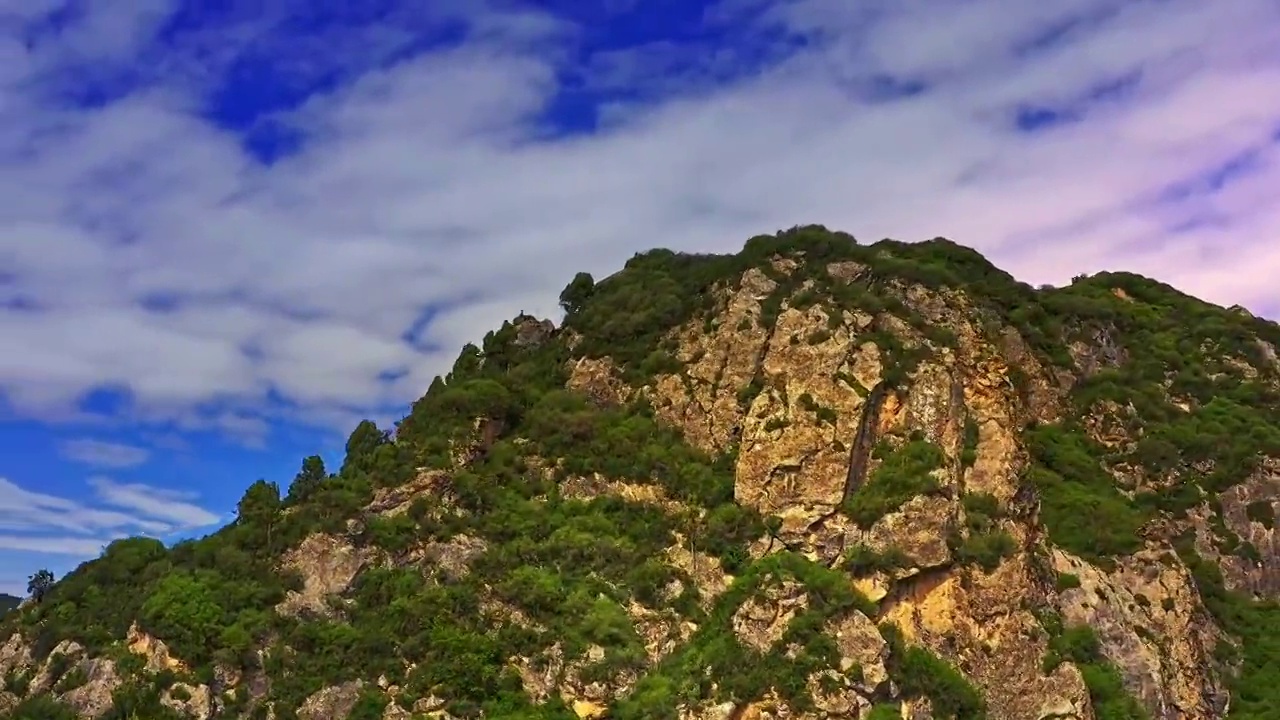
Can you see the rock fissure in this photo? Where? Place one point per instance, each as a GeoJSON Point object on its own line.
{"type": "Point", "coordinates": [864, 439]}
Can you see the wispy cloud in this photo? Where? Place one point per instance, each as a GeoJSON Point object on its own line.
{"type": "Point", "coordinates": [428, 195]}
{"type": "Point", "coordinates": [164, 505]}
{"type": "Point", "coordinates": [101, 453]}
{"type": "Point", "coordinates": [80, 547]}
{"type": "Point", "coordinates": [58, 525]}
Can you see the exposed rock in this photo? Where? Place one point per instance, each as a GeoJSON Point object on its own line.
{"type": "Point", "coordinates": [786, 265]}
{"type": "Point", "coordinates": [846, 270]}
{"type": "Point", "coordinates": [589, 487]}
{"type": "Point", "coordinates": [1100, 353]}
{"type": "Point", "coordinates": [474, 445]}
{"type": "Point", "coordinates": [598, 378]}
{"type": "Point", "coordinates": [834, 696]}
{"type": "Point", "coordinates": [194, 701]}
{"type": "Point", "coordinates": [327, 565]}
{"type": "Point", "coordinates": [153, 650]}
{"type": "Point", "coordinates": [431, 707]}
{"type": "Point", "coordinates": [15, 655]}
{"type": "Point", "coordinates": [918, 531]}
{"type": "Point", "coordinates": [45, 677]}
{"type": "Point", "coordinates": [531, 332]}
{"type": "Point", "coordinates": [660, 630]}
{"type": "Point", "coordinates": [1108, 424]}
{"type": "Point", "coordinates": [540, 675]}
{"type": "Point", "coordinates": [761, 621]}
{"type": "Point", "coordinates": [253, 685]}
{"type": "Point", "coordinates": [770, 707]}
{"type": "Point", "coordinates": [93, 698]}
{"type": "Point", "coordinates": [395, 712]}
{"type": "Point", "coordinates": [709, 711]}
{"type": "Point", "coordinates": [548, 674]}
{"type": "Point", "coordinates": [981, 623]}
{"type": "Point", "coordinates": [503, 612]}
{"type": "Point", "coordinates": [861, 645]}
{"type": "Point", "coordinates": [935, 404]}
{"type": "Point", "coordinates": [450, 557]}
{"type": "Point", "coordinates": [1152, 625]}
{"type": "Point", "coordinates": [705, 570]}
{"type": "Point", "coordinates": [703, 400]}
{"type": "Point", "coordinates": [331, 703]}
{"type": "Point", "coordinates": [791, 463]}
{"type": "Point", "coordinates": [394, 501]}
{"type": "Point", "coordinates": [1258, 496]}
{"type": "Point", "coordinates": [783, 441]}
{"type": "Point", "coordinates": [1269, 353]}
{"type": "Point", "coordinates": [591, 699]}
{"type": "Point", "coordinates": [588, 709]}
{"type": "Point", "coordinates": [794, 465]}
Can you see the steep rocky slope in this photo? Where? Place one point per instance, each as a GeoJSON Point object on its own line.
{"type": "Point", "coordinates": [811, 480]}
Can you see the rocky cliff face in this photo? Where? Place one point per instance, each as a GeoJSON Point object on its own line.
{"type": "Point", "coordinates": [813, 480]}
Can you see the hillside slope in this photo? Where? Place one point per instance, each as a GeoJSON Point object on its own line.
{"type": "Point", "coordinates": [811, 480]}
{"type": "Point", "coordinates": [8, 602]}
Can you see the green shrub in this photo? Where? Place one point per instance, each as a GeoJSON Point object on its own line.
{"type": "Point", "coordinates": [903, 474]}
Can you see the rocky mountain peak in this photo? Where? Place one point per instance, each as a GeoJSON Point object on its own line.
{"type": "Point", "coordinates": [813, 479]}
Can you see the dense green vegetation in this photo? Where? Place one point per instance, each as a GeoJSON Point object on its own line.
{"type": "Point", "coordinates": [920, 673]}
{"type": "Point", "coordinates": [571, 566]}
{"type": "Point", "coordinates": [1255, 649]}
{"type": "Point", "coordinates": [1191, 386]}
{"type": "Point", "coordinates": [1079, 502]}
{"type": "Point", "coordinates": [903, 473]}
{"type": "Point", "coordinates": [984, 542]}
{"type": "Point", "coordinates": [715, 655]}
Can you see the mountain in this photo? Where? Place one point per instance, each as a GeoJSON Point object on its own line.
{"type": "Point", "coordinates": [814, 479]}
{"type": "Point", "coordinates": [8, 602]}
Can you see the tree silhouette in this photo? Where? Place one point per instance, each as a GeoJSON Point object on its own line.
{"type": "Point", "coordinates": [39, 584]}
{"type": "Point", "coordinates": [258, 510]}
{"type": "Point", "coordinates": [308, 479]}
{"type": "Point", "coordinates": [577, 292]}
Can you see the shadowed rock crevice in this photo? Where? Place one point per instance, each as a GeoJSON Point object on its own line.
{"type": "Point", "coordinates": [864, 440]}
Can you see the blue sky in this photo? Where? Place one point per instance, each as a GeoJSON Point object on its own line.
{"type": "Point", "coordinates": [225, 238]}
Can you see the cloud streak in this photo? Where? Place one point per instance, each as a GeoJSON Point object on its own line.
{"type": "Point", "coordinates": [57, 525]}
{"type": "Point", "coordinates": [100, 453]}
{"type": "Point", "coordinates": [430, 195]}
{"type": "Point", "coordinates": [168, 507]}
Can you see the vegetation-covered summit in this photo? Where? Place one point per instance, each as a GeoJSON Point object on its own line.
{"type": "Point", "coordinates": [846, 480]}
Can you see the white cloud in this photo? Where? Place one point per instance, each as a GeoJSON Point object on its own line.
{"type": "Point", "coordinates": [53, 545]}
{"type": "Point", "coordinates": [57, 525]}
{"type": "Point", "coordinates": [426, 187]}
{"type": "Point", "coordinates": [164, 505]}
{"type": "Point", "coordinates": [104, 454]}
